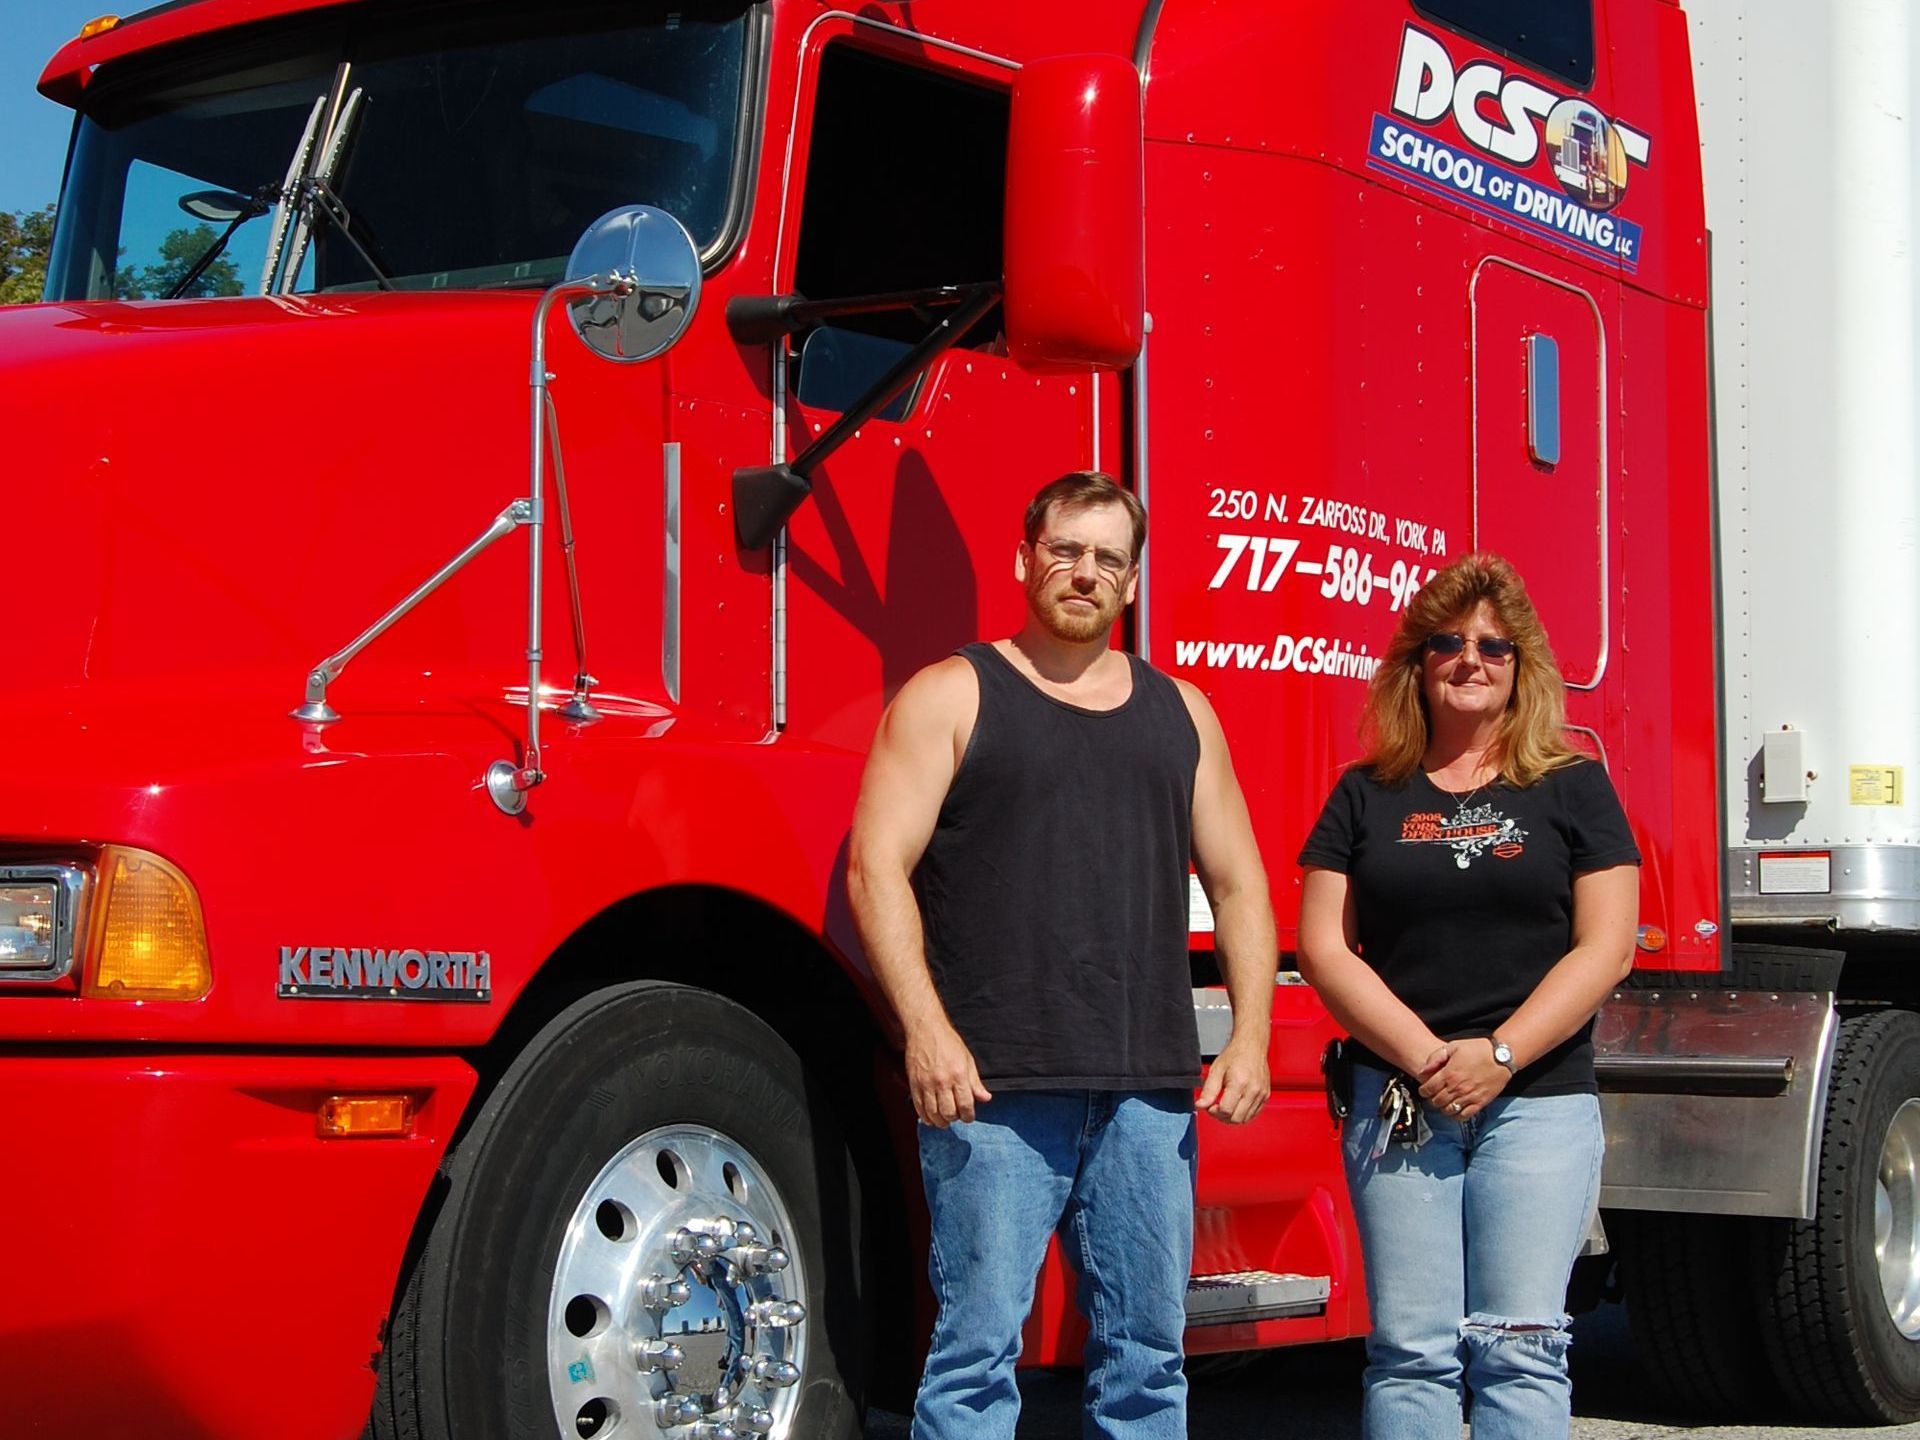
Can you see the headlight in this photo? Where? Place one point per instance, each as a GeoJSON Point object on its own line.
{"type": "Point", "coordinates": [126, 927]}
{"type": "Point", "coordinates": [40, 918]}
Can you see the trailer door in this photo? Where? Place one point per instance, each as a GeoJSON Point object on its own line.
{"type": "Point", "coordinates": [1540, 453]}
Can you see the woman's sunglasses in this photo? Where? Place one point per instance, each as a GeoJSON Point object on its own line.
{"type": "Point", "coordinates": [1493, 649]}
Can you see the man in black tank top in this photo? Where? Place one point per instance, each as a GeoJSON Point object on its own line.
{"type": "Point", "coordinates": [1018, 873]}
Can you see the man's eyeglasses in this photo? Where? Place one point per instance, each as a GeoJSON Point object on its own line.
{"type": "Point", "coordinates": [1111, 563]}
{"type": "Point", "coordinates": [1494, 650]}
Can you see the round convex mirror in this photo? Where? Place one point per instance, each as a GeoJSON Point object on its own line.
{"type": "Point", "coordinates": [650, 248]}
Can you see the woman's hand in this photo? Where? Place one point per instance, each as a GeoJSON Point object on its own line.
{"type": "Point", "coordinates": [1466, 1080]}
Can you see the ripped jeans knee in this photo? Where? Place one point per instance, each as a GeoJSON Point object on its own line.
{"type": "Point", "coordinates": [1549, 1330]}
{"type": "Point", "coordinates": [1506, 1343]}
{"type": "Point", "coordinates": [1517, 1374]}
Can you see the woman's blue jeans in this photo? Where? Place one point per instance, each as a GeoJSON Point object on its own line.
{"type": "Point", "coordinates": [1469, 1240]}
{"type": "Point", "coordinates": [1113, 1172]}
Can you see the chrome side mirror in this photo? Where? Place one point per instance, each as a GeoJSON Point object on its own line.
{"type": "Point", "coordinates": [654, 258]}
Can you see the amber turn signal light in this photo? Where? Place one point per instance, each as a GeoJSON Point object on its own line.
{"type": "Point", "coordinates": [147, 940]}
{"type": "Point", "coordinates": [366, 1117]}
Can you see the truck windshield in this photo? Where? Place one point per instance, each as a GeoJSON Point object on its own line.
{"type": "Point", "coordinates": [460, 147]}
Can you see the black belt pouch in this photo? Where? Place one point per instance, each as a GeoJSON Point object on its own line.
{"type": "Point", "coordinates": [1336, 1063]}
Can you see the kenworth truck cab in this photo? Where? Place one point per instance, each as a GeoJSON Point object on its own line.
{"type": "Point", "coordinates": [482, 471]}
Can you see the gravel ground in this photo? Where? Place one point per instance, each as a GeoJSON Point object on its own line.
{"type": "Point", "coordinates": [1313, 1394]}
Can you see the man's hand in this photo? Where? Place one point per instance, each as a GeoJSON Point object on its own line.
{"type": "Point", "coordinates": [942, 1076]}
{"type": "Point", "coordinates": [1466, 1080]}
{"type": "Point", "coordinates": [1237, 1083]}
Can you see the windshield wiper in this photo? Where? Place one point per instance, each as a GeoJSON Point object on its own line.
{"type": "Point", "coordinates": [318, 198]}
{"type": "Point", "coordinates": [236, 210]}
{"type": "Point", "coordinates": [283, 208]}
{"type": "Point", "coordinates": [313, 197]}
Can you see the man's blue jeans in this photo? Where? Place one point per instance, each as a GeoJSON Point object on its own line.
{"type": "Point", "coordinates": [1469, 1240]}
{"type": "Point", "coordinates": [1113, 1173]}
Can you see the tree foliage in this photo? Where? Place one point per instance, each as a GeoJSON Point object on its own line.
{"type": "Point", "coordinates": [26, 241]}
{"type": "Point", "coordinates": [26, 238]}
{"type": "Point", "coordinates": [177, 253]}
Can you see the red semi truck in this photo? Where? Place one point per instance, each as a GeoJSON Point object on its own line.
{"type": "Point", "coordinates": [389, 1029]}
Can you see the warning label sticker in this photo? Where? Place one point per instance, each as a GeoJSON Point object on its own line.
{"type": "Point", "coordinates": [1874, 784]}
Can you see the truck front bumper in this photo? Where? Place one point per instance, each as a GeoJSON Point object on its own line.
{"type": "Point", "coordinates": [184, 1258]}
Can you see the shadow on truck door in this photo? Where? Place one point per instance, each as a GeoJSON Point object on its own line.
{"type": "Point", "coordinates": [906, 549]}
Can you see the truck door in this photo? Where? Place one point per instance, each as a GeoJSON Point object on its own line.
{"type": "Point", "coordinates": [905, 550]}
{"type": "Point", "coordinates": [1540, 455]}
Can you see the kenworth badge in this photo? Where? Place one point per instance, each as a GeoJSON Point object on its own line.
{"type": "Point", "coordinates": [321, 972]}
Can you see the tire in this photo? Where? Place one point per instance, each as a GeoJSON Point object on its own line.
{"type": "Point", "coordinates": [630, 1141]}
{"type": "Point", "coordinates": [1689, 1293]}
{"type": "Point", "coordinates": [1845, 1348]}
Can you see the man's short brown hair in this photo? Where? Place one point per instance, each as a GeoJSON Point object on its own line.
{"type": "Point", "coordinates": [1081, 490]}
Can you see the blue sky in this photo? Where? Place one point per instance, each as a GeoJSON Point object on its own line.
{"type": "Point", "coordinates": [33, 130]}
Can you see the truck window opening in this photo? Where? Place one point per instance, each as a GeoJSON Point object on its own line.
{"type": "Point", "coordinates": [1555, 36]}
{"type": "Point", "coordinates": [906, 179]}
{"type": "Point", "coordinates": [835, 365]}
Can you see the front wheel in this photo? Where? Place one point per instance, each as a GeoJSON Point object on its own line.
{"type": "Point", "coordinates": [651, 1231]}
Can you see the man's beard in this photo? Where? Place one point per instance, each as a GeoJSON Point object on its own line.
{"type": "Point", "coordinates": [1072, 623]}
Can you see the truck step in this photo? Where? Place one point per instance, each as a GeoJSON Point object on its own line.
{"type": "Point", "coordinates": [1242, 1295]}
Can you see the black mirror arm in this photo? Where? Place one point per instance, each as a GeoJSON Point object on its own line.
{"type": "Point", "coordinates": [765, 496]}
{"type": "Point", "coordinates": [756, 319]}
{"type": "Point", "coordinates": [255, 205]}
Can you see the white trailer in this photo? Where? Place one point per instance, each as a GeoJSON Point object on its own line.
{"type": "Point", "coordinates": [1795, 1276]}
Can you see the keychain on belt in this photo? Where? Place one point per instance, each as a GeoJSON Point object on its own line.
{"type": "Point", "coordinates": [1404, 1119]}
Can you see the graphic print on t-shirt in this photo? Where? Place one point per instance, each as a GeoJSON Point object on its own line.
{"type": "Point", "coordinates": [1470, 833]}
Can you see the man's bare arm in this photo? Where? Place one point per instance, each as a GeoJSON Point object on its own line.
{"type": "Point", "coordinates": [1227, 859]}
{"type": "Point", "coordinates": [915, 754]}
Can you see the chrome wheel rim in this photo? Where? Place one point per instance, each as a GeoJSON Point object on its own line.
{"type": "Point", "coordinates": [678, 1303]}
{"type": "Point", "coordinates": [1896, 1219]}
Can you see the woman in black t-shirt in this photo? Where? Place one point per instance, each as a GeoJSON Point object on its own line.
{"type": "Point", "coordinates": [1470, 899]}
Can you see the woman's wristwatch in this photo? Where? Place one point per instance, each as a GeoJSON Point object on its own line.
{"type": "Point", "coordinates": [1502, 1052]}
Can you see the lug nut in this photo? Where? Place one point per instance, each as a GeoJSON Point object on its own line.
{"type": "Point", "coordinates": [761, 1259]}
{"type": "Point", "coordinates": [777, 1313]}
{"type": "Point", "coordinates": [674, 1409]}
{"type": "Point", "coordinates": [754, 1422]}
{"type": "Point", "coordinates": [715, 1430]}
{"type": "Point", "coordinates": [689, 1248]}
{"type": "Point", "coordinates": [658, 1293]}
{"type": "Point", "coordinates": [778, 1373]}
{"type": "Point", "coordinates": [653, 1355]}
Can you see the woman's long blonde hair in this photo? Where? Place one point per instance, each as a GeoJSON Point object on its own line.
{"type": "Point", "coordinates": [1395, 726]}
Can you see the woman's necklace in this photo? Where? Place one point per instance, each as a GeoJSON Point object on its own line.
{"type": "Point", "coordinates": [1462, 803]}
